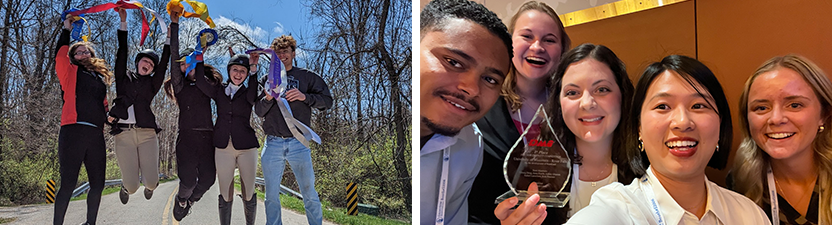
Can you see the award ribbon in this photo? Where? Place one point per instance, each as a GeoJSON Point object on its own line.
{"type": "Point", "coordinates": [276, 85]}
{"type": "Point", "coordinates": [78, 21]}
{"type": "Point", "coordinates": [200, 10]}
{"type": "Point", "coordinates": [277, 73]}
{"type": "Point", "coordinates": [126, 5]}
{"type": "Point", "coordinates": [205, 38]}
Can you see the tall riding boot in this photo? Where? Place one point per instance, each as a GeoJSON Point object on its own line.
{"type": "Point", "coordinates": [250, 209]}
{"type": "Point", "coordinates": [225, 211]}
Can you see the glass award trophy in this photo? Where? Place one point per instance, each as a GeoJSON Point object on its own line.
{"type": "Point", "coordinates": [541, 160]}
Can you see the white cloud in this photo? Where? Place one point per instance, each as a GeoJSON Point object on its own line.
{"type": "Point", "coordinates": [256, 33]}
{"type": "Point", "coordinates": [278, 28]}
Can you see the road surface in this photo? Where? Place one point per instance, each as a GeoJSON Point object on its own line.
{"type": "Point", "coordinates": [157, 210]}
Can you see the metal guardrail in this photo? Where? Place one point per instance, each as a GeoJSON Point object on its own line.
{"type": "Point", "coordinates": [283, 189]}
{"type": "Point", "coordinates": [86, 185]}
{"type": "Point", "coordinates": [258, 180]}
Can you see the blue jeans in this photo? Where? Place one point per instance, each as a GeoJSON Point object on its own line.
{"type": "Point", "coordinates": [276, 152]}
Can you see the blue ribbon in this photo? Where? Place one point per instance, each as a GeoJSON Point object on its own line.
{"type": "Point", "coordinates": [196, 56]}
{"type": "Point", "coordinates": [77, 25]}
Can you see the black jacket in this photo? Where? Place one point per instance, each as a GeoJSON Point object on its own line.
{"type": "Point", "coordinates": [317, 96]}
{"type": "Point", "coordinates": [134, 89]}
{"type": "Point", "coordinates": [233, 114]}
{"type": "Point", "coordinates": [194, 103]}
{"type": "Point", "coordinates": [83, 92]}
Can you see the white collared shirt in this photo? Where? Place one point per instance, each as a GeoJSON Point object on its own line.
{"type": "Point", "coordinates": [465, 162]}
{"type": "Point", "coordinates": [619, 204]}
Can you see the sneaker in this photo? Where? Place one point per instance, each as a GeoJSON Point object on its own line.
{"type": "Point", "coordinates": [148, 193]}
{"type": "Point", "coordinates": [123, 195]}
{"type": "Point", "coordinates": [181, 209]}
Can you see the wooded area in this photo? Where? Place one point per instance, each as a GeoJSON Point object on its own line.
{"type": "Point", "coordinates": [362, 49]}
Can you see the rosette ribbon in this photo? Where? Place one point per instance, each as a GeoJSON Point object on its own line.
{"type": "Point", "coordinates": [78, 21]}
{"type": "Point", "coordinates": [205, 38]}
{"type": "Point", "coordinates": [276, 85]}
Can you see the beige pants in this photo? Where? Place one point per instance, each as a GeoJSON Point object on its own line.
{"type": "Point", "coordinates": [137, 151]}
{"type": "Point", "coordinates": [227, 159]}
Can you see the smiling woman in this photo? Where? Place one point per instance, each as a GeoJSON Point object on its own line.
{"type": "Point", "coordinates": [784, 112]}
{"type": "Point", "coordinates": [682, 119]}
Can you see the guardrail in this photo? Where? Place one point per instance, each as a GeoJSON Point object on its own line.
{"type": "Point", "coordinates": [283, 189]}
{"type": "Point", "coordinates": [258, 180]}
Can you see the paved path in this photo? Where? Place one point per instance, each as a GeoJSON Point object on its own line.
{"type": "Point", "coordinates": [157, 210]}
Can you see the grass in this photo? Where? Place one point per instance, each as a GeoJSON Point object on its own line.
{"type": "Point", "coordinates": [6, 220]}
{"type": "Point", "coordinates": [332, 214]}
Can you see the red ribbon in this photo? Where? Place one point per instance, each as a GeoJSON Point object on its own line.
{"type": "Point", "coordinates": [119, 4]}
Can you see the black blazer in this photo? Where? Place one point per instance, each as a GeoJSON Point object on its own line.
{"type": "Point", "coordinates": [136, 90]}
{"type": "Point", "coordinates": [233, 114]}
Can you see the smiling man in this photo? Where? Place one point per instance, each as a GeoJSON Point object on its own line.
{"type": "Point", "coordinates": [465, 53]}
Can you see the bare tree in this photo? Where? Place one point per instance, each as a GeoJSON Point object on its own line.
{"type": "Point", "coordinates": [365, 47]}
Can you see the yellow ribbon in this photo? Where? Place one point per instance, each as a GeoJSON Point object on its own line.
{"type": "Point", "coordinates": [200, 10]}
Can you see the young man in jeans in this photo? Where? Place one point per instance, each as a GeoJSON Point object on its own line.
{"type": "Point", "coordinates": [306, 91]}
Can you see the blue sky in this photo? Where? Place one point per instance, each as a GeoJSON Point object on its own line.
{"type": "Point", "coordinates": [274, 17]}
{"type": "Point", "coordinates": [265, 19]}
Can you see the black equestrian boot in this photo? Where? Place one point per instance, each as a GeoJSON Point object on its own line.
{"type": "Point", "coordinates": [250, 209]}
{"type": "Point", "coordinates": [225, 211]}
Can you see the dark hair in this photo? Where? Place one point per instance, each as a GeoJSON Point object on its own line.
{"type": "Point", "coordinates": [693, 72]}
{"type": "Point", "coordinates": [437, 12]}
{"type": "Point", "coordinates": [621, 142]}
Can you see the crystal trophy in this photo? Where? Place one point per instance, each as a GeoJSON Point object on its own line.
{"type": "Point", "coordinates": [542, 160]}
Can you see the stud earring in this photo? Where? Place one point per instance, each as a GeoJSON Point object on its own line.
{"type": "Point", "coordinates": [821, 128]}
{"type": "Point", "coordinates": [717, 148]}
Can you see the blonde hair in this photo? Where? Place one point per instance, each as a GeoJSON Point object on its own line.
{"type": "Point", "coordinates": [510, 83]}
{"type": "Point", "coordinates": [92, 63]}
{"type": "Point", "coordinates": [752, 161]}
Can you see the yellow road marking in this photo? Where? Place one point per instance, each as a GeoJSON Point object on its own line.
{"type": "Point", "coordinates": [165, 215]}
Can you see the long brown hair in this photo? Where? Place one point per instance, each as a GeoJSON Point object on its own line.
{"type": "Point", "coordinates": [92, 63]}
{"type": "Point", "coordinates": [510, 83]}
{"type": "Point", "coordinates": [751, 161]}
{"type": "Point", "coordinates": [210, 72]}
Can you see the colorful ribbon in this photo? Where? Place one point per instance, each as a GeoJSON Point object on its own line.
{"type": "Point", "coordinates": [277, 72]}
{"type": "Point", "coordinates": [205, 38]}
{"type": "Point", "coordinates": [77, 25]}
{"type": "Point", "coordinates": [200, 10]}
{"type": "Point", "coordinates": [126, 5]}
{"type": "Point", "coordinates": [276, 86]}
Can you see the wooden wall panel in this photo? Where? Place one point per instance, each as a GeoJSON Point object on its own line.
{"type": "Point", "coordinates": [642, 37]}
{"type": "Point", "coordinates": [736, 37]}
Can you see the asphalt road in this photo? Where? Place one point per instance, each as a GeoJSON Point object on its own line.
{"type": "Point", "coordinates": [157, 210]}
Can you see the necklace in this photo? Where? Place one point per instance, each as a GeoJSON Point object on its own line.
{"type": "Point", "coordinates": [803, 197]}
{"type": "Point", "coordinates": [599, 175]}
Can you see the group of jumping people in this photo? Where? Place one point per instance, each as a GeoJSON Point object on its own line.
{"type": "Point", "coordinates": [205, 150]}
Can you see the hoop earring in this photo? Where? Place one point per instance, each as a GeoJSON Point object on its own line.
{"type": "Point", "coordinates": [640, 144]}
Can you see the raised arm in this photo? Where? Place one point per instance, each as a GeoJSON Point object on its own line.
{"type": "Point", "coordinates": [253, 89]}
{"type": "Point", "coordinates": [121, 53]}
{"type": "Point", "coordinates": [159, 74]}
{"type": "Point", "coordinates": [62, 65]}
{"type": "Point", "coordinates": [175, 72]}
{"type": "Point", "coordinates": [202, 82]}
